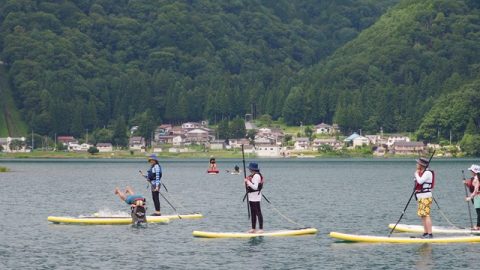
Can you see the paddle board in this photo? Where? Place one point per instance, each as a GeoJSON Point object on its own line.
{"type": "Point", "coordinates": [402, 240]}
{"type": "Point", "coordinates": [213, 172]}
{"type": "Point", "coordinates": [295, 232]}
{"type": "Point", "coordinates": [435, 229]}
{"type": "Point", "coordinates": [104, 220]}
{"type": "Point", "coordinates": [186, 216]}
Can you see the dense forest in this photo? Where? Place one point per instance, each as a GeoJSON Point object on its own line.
{"type": "Point", "coordinates": [78, 65]}
{"type": "Point", "coordinates": [83, 64]}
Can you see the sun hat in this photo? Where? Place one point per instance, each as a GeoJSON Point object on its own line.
{"type": "Point", "coordinates": [153, 157]}
{"type": "Point", "coordinates": [423, 162]}
{"type": "Point", "coordinates": [474, 168]}
{"type": "Point", "coordinates": [253, 167]}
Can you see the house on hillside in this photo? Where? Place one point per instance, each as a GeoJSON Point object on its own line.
{"type": "Point", "coordinates": [191, 125]}
{"type": "Point", "coordinates": [163, 130]}
{"type": "Point", "coordinates": [179, 140]}
{"type": "Point", "coordinates": [6, 144]}
{"type": "Point", "coordinates": [217, 145]}
{"type": "Point", "coordinates": [396, 138]}
{"type": "Point", "coordinates": [302, 143]}
{"type": "Point", "coordinates": [198, 136]}
{"type": "Point", "coordinates": [237, 143]}
{"type": "Point", "coordinates": [360, 141]}
{"type": "Point", "coordinates": [104, 147]}
{"type": "Point", "coordinates": [408, 148]}
{"type": "Point", "coordinates": [66, 140]}
{"type": "Point", "coordinates": [268, 150]}
{"type": "Point", "coordinates": [323, 128]}
{"type": "Point", "coordinates": [136, 143]}
{"type": "Point", "coordinates": [332, 142]}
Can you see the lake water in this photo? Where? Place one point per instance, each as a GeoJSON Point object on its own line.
{"type": "Point", "coordinates": [345, 195]}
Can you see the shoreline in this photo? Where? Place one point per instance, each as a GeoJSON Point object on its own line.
{"type": "Point", "coordinates": [127, 155]}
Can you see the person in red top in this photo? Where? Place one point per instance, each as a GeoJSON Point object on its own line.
{"type": "Point", "coordinates": [474, 185]}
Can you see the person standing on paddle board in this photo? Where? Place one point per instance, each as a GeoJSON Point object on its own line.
{"type": "Point", "coordinates": [254, 184]}
{"type": "Point", "coordinates": [154, 174]}
{"type": "Point", "coordinates": [424, 182]}
{"type": "Point", "coordinates": [474, 185]}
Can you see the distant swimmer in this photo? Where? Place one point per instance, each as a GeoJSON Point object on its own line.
{"type": "Point", "coordinates": [236, 169]}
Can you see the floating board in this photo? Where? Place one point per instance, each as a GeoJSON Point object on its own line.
{"type": "Point", "coordinates": [295, 232]}
{"type": "Point", "coordinates": [402, 240]}
{"type": "Point", "coordinates": [104, 220]}
{"type": "Point", "coordinates": [186, 216]}
{"type": "Point", "coordinates": [213, 172]}
{"type": "Point", "coordinates": [435, 229]}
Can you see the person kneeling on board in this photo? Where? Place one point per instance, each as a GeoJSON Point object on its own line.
{"type": "Point", "coordinates": [254, 185]}
{"type": "Point", "coordinates": [236, 169]}
{"type": "Point", "coordinates": [424, 182]}
{"type": "Point", "coordinates": [136, 202]}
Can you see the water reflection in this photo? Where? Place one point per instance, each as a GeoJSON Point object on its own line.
{"type": "Point", "coordinates": [424, 261]}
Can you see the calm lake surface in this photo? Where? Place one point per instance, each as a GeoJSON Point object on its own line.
{"type": "Point", "coordinates": [346, 195]}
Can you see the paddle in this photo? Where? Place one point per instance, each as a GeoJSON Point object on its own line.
{"type": "Point", "coordinates": [468, 204]}
{"type": "Point", "coordinates": [174, 209]}
{"type": "Point", "coordinates": [166, 189]}
{"type": "Point", "coordinates": [245, 176]}
{"type": "Point", "coordinates": [411, 196]}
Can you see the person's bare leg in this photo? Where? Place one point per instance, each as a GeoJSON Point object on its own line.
{"type": "Point", "coordinates": [120, 194]}
{"type": "Point", "coordinates": [129, 190]}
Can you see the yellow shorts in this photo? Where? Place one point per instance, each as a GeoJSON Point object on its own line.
{"type": "Point", "coordinates": [424, 206]}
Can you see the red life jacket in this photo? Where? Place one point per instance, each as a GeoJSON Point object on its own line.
{"type": "Point", "coordinates": [425, 187]}
{"type": "Point", "coordinates": [260, 185]}
{"type": "Point", "coordinates": [470, 186]}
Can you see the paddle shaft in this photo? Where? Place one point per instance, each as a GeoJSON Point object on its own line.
{"type": "Point", "coordinates": [468, 204]}
{"type": "Point", "coordinates": [166, 189]}
{"type": "Point", "coordinates": [245, 176]}
{"type": "Point", "coordinates": [411, 196]}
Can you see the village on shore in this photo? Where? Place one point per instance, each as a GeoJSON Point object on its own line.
{"type": "Point", "coordinates": [271, 142]}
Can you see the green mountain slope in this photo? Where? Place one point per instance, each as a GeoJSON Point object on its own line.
{"type": "Point", "coordinates": [78, 65]}
{"type": "Point", "coordinates": [392, 74]}
{"type": "Point", "coordinates": [11, 123]}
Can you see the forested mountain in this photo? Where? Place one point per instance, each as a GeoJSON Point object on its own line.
{"type": "Point", "coordinates": [407, 65]}
{"type": "Point", "coordinates": [420, 58]}
{"type": "Point", "coordinates": [83, 64]}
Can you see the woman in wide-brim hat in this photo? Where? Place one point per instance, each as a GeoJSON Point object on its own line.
{"type": "Point", "coordinates": [154, 176]}
{"type": "Point", "coordinates": [254, 185]}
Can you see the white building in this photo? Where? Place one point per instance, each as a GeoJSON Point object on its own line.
{"type": "Point", "coordinates": [104, 147]}
{"type": "Point", "coordinates": [178, 140]}
{"type": "Point", "coordinates": [268, 150]}
{"type": "Point", "coordinates": [6, 143]}
{"type": "Point", "coordinates": [360, 141]}
{"type": "Point", "coordinates": [396, 138]}
{"type": "Point", "coordinates": [302, 143]}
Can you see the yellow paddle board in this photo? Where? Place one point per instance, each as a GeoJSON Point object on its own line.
{"type": "Point", "coordinates": [295, 232]}
{"type": "Point", "coordinates": [104, 220]}
{"type": "Point", "coordinates": [435, 229]}
{"type": "Point", "coordinates": [402, 240]}
{"type": "Point", "coordinates": [183, 216]}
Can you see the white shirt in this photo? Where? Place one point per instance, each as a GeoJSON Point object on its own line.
{"type": "Point", "coordinates": [427, 177]}
{"type": "Point", "coordinates": [254, 196]}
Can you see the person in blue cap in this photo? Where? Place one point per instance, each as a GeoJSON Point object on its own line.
{"type": "Point", "coordinates": [154, 174]}
{"type": "Point", "coordinates": [254, 184]}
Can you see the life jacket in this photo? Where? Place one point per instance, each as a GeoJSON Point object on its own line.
{"type": "Point", "coordinates": [153, 176]}
{"type": "Point", "coordinates": [260, 185]}
{"type": "Point", "coordinates": [470, 185]}
{"type": "Point", "coordinates": [425, 187]}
